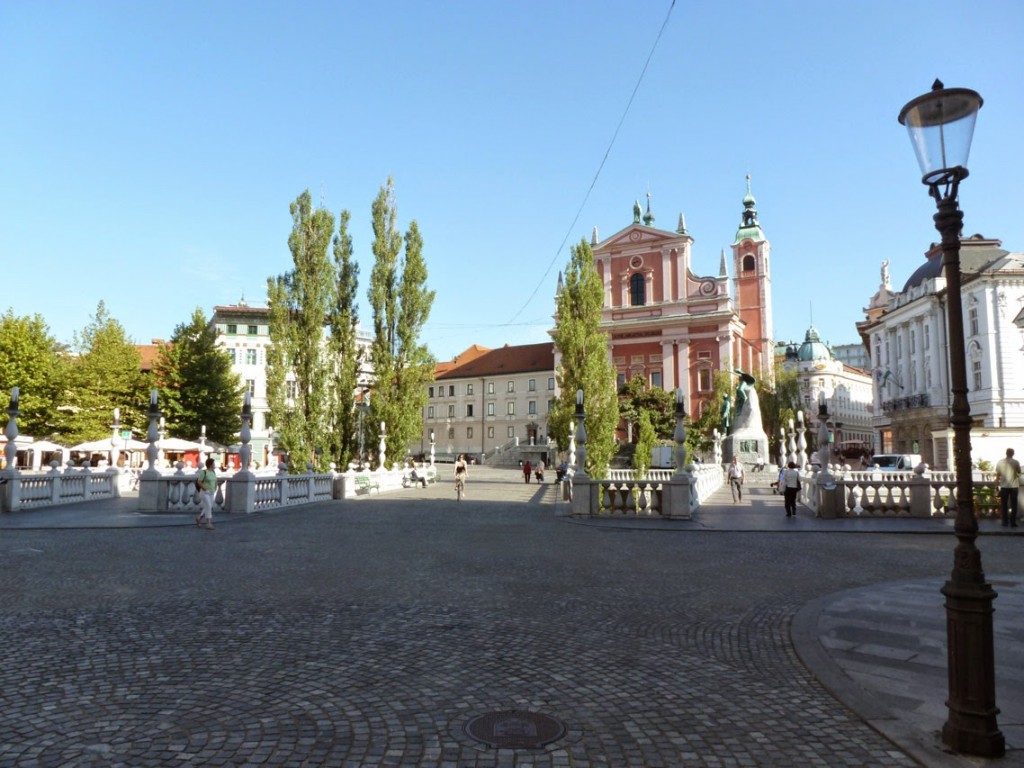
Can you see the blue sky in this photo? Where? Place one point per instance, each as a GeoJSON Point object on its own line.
{"type": "Point", "coordinates": [149, 151]}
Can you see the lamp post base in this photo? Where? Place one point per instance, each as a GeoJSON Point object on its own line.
{"type": "Point", "coordinates": [971, 727]}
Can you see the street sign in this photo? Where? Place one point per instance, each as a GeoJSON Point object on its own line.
{"type": "Point", "coordinates": [126, 434]}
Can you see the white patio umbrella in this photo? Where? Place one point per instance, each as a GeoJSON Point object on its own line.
{"type": "Point", "coordinates": [176, 444]}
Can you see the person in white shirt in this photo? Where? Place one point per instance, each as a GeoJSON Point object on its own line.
{"type": "Point", "coordinates": [790, 481]}
{"type": "Point", "coordinates": [1008, 473]}
{"type": "Point", "coordinates": [736, 479]}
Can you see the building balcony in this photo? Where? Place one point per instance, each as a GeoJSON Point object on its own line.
{"type": "Point", "coordinates": [906, 403]}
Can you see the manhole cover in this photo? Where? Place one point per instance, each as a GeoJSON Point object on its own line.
{"type": "Point", "coordinates": [515, 729]}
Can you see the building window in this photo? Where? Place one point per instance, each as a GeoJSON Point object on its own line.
{"type": "Point", "coordinates": [531, 407]}
{"type": "Point", "coordinates": [637, 290]}
{"type": "Point", "coordinates": [511, 432]}
{"type": "Point", "coordinates": [972, 318]}
{"type": "Point", "coordinates": [531, 385]}
{"type": "Point", "coordinates": [232, 355]}
{"type": "Point", "coordinates": [510, 408]}
{"type": "Point", "coordinates": [704, 379]}
{"type": "Point", "coordinates": [469, 433]}
{"type": "Point", "coordinates": [291, 389]}
{"type": "Point", "coordinates": [551, 383]}
{"type": "Point", "coordinates": [490, 432]}
{"type": "Point", "coordinates": [976, 371]}
{"type": "Point", "coordinates": [469, 409]}
{"type": "Point", "coordinates": [469, 389]}
{"type": "Point", "coordinates": [511, 386]}
{"type": "Point", "coordinates": [451, 411]}
{"type": "Point", "coordinates": [253, 330]}
{"type": "Point", "coordinates": [430, 391]}
{"type": "Point", "coordinates": [620, 380]}
{"type": "Point", "coordinates": [250, 384]}
{"type": "Point", "coordinates": [656, 379]}
{"type": "Point", "coordinates": [250, 357]}
{"type": "Point", "coordinates": [748, 263]}
{"type": "Point", "coordinates": [927, 334]}
{"type": "Point", "coordinates": [430, 411]}
{"type": "Point", "coordinates": [232, 329]}
{"type": "Point", "coordinates": [451, 433]}
{"type": "Point", "coordinates": [451, 390]}
{"type": "Point", "coordinates": [551, 404]}
{"type": "Point", "coordinates": [490, 409]}
{"type": "Point", "coordinates": [490, 387]}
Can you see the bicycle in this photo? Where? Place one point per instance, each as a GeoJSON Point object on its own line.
{"type": "Point", "coordinates": [460, 486]}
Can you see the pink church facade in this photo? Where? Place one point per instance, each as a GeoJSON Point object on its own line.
{"type": "Point", "coordinates": [675, 326]}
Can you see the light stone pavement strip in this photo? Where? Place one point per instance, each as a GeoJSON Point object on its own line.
{"type": "Point", "coordinates": [370, 632]}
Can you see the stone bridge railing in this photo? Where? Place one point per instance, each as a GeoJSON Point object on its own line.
{"type": "Point", "coordinates": [67, 485]}
{"type": "Point", "coordinates": [662, 494]}
{"type": "Point", "coordinates": [845, 493]}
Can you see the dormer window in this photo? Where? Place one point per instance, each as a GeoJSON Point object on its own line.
{"type": "Point", "coordinates": [637, 290]}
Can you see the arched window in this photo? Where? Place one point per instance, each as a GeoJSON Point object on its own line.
{"type": "Point", "coordinates": [637, 290]}
{"type": "Point", "coordinates": [748, 263]}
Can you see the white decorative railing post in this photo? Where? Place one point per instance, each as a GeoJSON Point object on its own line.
{"type": "Point", "coordinates": [572, 444]}
{"type": "Point", "coordinates": [680, 435]}
{"type": "Point", "coordinates": [115, 429]}
{"type": "Point", "coordinates": [241, 487]}
{"type": "Point", "coordinates": [801, 441]}
{"type": "Point", "coordinates": [11, 432]}
{"type": "Point", "coordinates": [203, 451]}
{"type": "Point", "coordinates": [163, 433]}
{"type": "Point", "coordinates": [782, 447]}
{"type": "Point", "coordinates": [581, 436]}
{"type": "Point", "coordinates": [432, 447]}
{"type": "Point", "coordinates": [717, 437]}
{"type": "Point", "coordinates": [150, 484]}
{"type": "Point", "coordinates": [791, 444]}
{"type": "Point", "coordinates": [382, 455]}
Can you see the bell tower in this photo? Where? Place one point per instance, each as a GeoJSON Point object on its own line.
{"type": "Point", "coordinates": [752, 294]}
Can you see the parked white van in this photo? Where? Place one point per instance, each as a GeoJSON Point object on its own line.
{"type": "Point", "coordinates": [895, 462]}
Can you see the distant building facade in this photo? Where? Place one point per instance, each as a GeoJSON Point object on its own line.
{"type": "Point", "coordinates": [845, 389]}
{"type": "Point", "coordinates": [484, 399]}
{"type": "Point", "coordinates": [907, 333]}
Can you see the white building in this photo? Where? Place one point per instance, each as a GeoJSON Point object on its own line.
{"type": "Point", "coordinates": [845, 389]}
{"type": "Point", "coordinates": [907, 336]}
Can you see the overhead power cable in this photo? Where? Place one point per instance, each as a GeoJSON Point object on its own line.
{"type": "Point", "coordinates": [604, 159]}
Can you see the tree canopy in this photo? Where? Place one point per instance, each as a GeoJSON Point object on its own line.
{"type": "Point", "coordinates": [197, 384]}
{"type": "Point", "coordinates": [33, 361]}
{"type": "Point", "coordinates": [584, 363]}
{"type": "Point", "coordinates": [401, 303]}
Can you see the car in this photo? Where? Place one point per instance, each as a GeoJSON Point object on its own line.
{"type": "Point", "coordinates": [894, 462]}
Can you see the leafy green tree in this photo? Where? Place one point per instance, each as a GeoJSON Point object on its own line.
{"type": "Point", "coordinates": [779, 404]}
{"type": "Point", "coordinates": [401, 304]}
{"type": "Point", "coordinates": [583, 347]}
{"type": "Point", "coordinates": [300, 302]}
{"type": "Point", "coordinates": [637, 397]}
{"type": "Point", "coordinates": [644, 445]}
{"type": "Point", "coordinates": [33, 361]}
{"type": "Point", "coordinates": [344, 322]}
{"type": "Point", "coordinates": [103, 376]}
{"type": "Point", "coordinates": [198, 387]}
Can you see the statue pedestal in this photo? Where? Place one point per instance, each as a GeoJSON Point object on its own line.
{"type": "Point", "coordinates": [747, 445]}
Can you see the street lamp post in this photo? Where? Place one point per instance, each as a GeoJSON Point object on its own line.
{"type": "Point", "coordinates": [941, 124]}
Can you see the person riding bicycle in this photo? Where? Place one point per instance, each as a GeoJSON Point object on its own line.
{"type": "Point", "coordinates": [460, 476]}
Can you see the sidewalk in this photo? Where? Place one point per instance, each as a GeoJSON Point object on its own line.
{"type": "Point", "coordinates": [880, 650]}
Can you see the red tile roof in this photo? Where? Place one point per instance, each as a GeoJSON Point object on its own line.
{"type": "Point", "coordinates": [526, 358]}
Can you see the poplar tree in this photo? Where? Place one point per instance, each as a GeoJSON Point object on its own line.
{"type": "Point", "coordinates": [344, 322]}
{"type": "Point", "coordinates": [197, 384]}
{"type": "Point", "coordinates": [401, 304]}
{"type": "Point", "coordinates": [583, 347]}
{"type": "Point", "coordinates": [32, 360]}
{"type": "Point", "coordinates": [300, 302]}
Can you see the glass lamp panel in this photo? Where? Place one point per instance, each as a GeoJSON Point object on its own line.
{"type": "Point", "coordinates": [941, 126]}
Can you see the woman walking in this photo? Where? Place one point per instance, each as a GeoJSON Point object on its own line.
{"type": "Point", "coordinates": [207, 481]}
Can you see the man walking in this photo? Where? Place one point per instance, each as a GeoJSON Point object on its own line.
{"type": "Point", "coordinates": [1008, 472]}
{"type": "Point", "coordinates": [789, 480]}
{"type": "Point", "coordinates": [736, 479]}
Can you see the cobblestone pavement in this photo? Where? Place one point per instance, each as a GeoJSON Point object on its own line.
{"type": "Point", "coordinates": [369, 633]}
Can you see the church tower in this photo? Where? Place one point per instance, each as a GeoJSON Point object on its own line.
{"type": "Point", "coordinates": [752, 294]}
